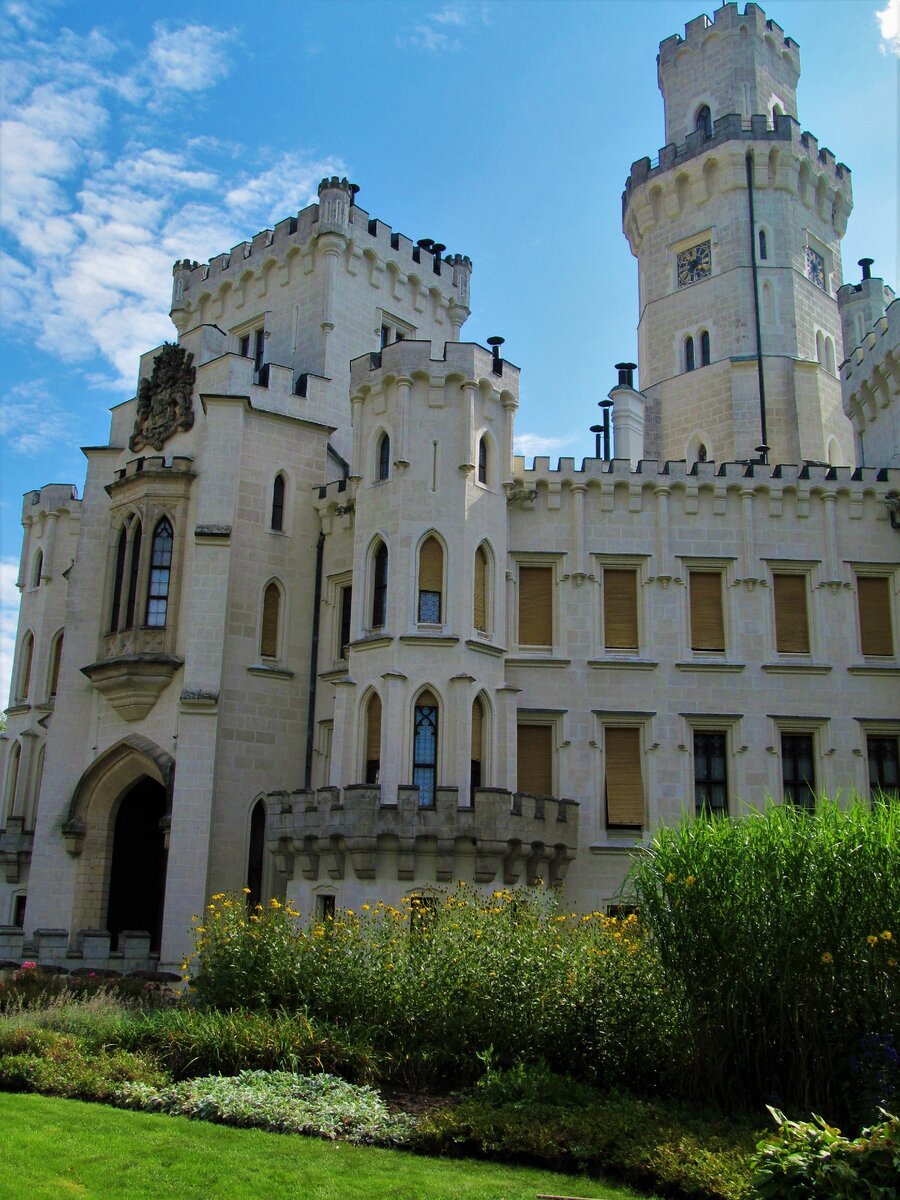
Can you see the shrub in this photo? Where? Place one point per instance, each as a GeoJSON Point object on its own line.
{"type": "Point", "coordinates": [778, 930]}
{"type": "Point", "coordinates": [57, 1065]}
{"type": "Point", "coordinates": [30, 987]}
{"type": "Point", "coordinates": [431, 987]}
{"type": "Point", "coordinates": [276, 1100]}
{"type": "Point", "coordinates": [96, 1018]}
{"type": "Point", "coordinates": [809, 1160]}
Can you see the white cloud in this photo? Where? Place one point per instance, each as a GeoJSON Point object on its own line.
{"type": "Point", "coordinates": [32, 421]}
{"type": "Point", "coordinates": [530, 444]}
{"type": "Point", "coordinates": [431, 33]}
{"type": "Point", "coordinates": [889, 20]}
{"type": "Point", "coordinates": [9, 618]}
{"type": "Point", "coordinates": [282, 189]}
{"type": "Point", "coordinates": [190, 58]}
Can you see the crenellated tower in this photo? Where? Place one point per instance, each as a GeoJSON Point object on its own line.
{"type": "Point", "coordinates": [737, 229]}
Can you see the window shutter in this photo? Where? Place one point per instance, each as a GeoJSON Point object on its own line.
{"type": "Point", "coordinates": [620, 624]}
{"type": "Point", "coordinates": [480, 598]}
{"type": "Point", "coordinates": [477, 731]}
{"type": "Point", "coordinates": [791, 622]}
{"type": "Point", "coordinates": [874, 599]}
{"type": "Point", "coordinates": [624, 785]}
{"type": "Point", "coordinates": [431, 566]}
{"type": "Point", "coordinates": [707, 623]}
{"type": "Point", "coordinates": [535, 606]}
{"type": "Point", "coordinates": [373, 729]}
{"type": "Point", "coordinates": [535, 759]}
{"type": "Point", "coordinates": [268, 644]}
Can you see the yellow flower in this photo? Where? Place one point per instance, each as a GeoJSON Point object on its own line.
{"type": "Point", "coordinates": [246, 891]}
{"type": "Point", "coordinates": [273, 903]}
{"type": "Point", "coordinates": [886, 935]}
{"type": "Point", "coordinates": [826, 957]}
{"type": "Point", "coordinates": [892, 962]}
{"type": "Point", "coordinates": [670, 878]}
{"type": "Point", "coordinates": [366, 907]}
{"type": "Point", "coordinates": [690, 881]}
{"type": "Point", "coordinates": [872, 939]}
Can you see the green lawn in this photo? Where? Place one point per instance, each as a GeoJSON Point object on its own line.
{"type": "Point", "coordinates": [55, 1149]}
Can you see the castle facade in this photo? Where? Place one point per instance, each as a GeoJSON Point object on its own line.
{"type": "Point", "coordinates": [315, 630]}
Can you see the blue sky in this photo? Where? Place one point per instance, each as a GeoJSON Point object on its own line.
{"type": "Point", "coordinates": [135, 134]}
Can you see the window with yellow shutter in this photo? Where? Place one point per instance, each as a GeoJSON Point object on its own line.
{"type": "Point", "coordinates": [431, 581]}
{"type": "Point", "coordinates": [535, 605]}
{"type": "Point", "coordinates": [480, 595]}
{"type": "Point", "coordinates": [373, 739]}
{"type": "Point", "coordinates": [534, 759]}
{"type": "Point", "coordinates": [791, 614]}
{"type": "Point", "coordinates": [624, 783]}
{"type": "Point", "coordinates": [620, 615]}
{"type": "Point", "coordinates": [707, 617]}
{"type": "Point", "coordinates": [476, 779]}
{"type": "Point", "coordinates": [873, 596]}
{"type": "Point", "coordinates": [268, 642]}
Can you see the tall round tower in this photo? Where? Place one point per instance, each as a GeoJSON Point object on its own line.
{"type": "Point", "coordinates": [737, 231]}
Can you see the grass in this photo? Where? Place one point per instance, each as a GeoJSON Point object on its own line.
{"type": "Point", "coordinates": [64, 1148]}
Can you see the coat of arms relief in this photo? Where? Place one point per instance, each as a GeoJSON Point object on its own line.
{"type": "Point", "coordinates": [164, 400]}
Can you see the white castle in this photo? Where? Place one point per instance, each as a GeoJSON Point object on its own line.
{"type": "Point", "coordinates": [314, 628]}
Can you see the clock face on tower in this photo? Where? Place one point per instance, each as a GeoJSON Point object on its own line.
{"type": "Point", "coordinates": [694, 264]}
{"type": "Point", "coordinates": [815, 267]}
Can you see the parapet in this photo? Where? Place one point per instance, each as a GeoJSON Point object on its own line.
{"type": "Point", "coordinates": [465, 360]}
{"type": "Point", "coordinates": [51, 498]}
{"type": "Point", "coordinates": [727, 19]}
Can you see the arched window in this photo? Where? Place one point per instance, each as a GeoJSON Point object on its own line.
{"type": "Point", "coordinates": [480, 597]}
{"type": "Point", "coordinates": [38, 569]}
{"type": "Point", "coordinates": [26, 654]}
{"type": "Point", "coordinates": [12, 779]}
{"type": "Point", "coordinates": [256, 855]}
{"type": "Point", "coordinates": [379, 586]}
{"type": "Point", "coordinates": [160, 574]}
{"type": "Point", "coordinates": [431, 581]}
{"type": "Point", "coordinates": [820, 348]}
{"type": "Point", "coordinates": [688, 354]}
{"type": "Point", "coordinates": [763, 247]}
{"type": "Point", "coordinates": [703, 121]}
{"type": "Point", "coordinates": [373, 740]}
{"type": "Point", "coordinates": [477, 753]}
{"type": "Point", "coordinates": [384, 457]}
{"type": "Point", "coordinates": [425, 747]}
{"type": "Point", "coordinates": [277, 518]}
{"type": "Point", "coordinates": [271, 615]}
{"type": "Point", "coordinates": [704, 348]}
{"type": "Point", "coordinates": [702, 453]}
{"type": "Point", "coordinates": [133, 569]}
{"type": "Point", "coordinates": [119, 581]}
{"type": "Point", "coordinates": [31, 808]}
{"type": "Point", "coordinates": [55, 660]}
{"type": "Point", "coordinates": [482, 460]}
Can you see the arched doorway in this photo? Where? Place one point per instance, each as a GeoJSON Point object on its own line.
{"type": "Point", "coordinates": [256, 855]}
{"type": "Point", "coordinates": [138, 871]}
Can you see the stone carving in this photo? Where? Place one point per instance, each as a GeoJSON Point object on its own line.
{"type": "Point", "coordinates": [164, 400]}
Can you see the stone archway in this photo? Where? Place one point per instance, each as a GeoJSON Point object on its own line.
{"type": "Point", "coordinates": [137, 873]}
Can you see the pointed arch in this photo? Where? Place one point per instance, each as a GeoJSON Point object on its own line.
{"type": "Point", "coordinates": [699, 447]}
{"type": "Point", "coordinates": [482, 595]}
{"type": "Point", "coordinates": [833, 452]}
{"type": "Point", "coordinates": [160, 574]}
{"type": "Point", "coordinates": [485, 460]}
{"type": "Point", "coordinates": [256, 853]}
{"type": "Point", "coordinates": [12, 781]}
{"type": "Point", "coordinates": [56, 647]}
{"type": "Point", "coordinates": [762, 244]}
{"type": "Point", "coordinates": [704, 348]}
{"type": "Point", "coordinates": [479, 773]}
{"type": "Point", "coordinates": [379, 575]}
{"type": "Point", "coordinates": [38, 569]}
{"type": "Point", "coordinates": [135, 538]}
{"type": "Point", "coordinates": [383, 457]}
{"type": "Point", "coordinates": [372, 714]}
{"type": "Point", "coordinates": [276, 515]}
{"type": "Point", "coordinates": [34, 798]}
{"type": "Point", "coordinates": [703, 121]}
{"type": "Point", "coordinates": [426, 745]}
{"type": "Point", "coordinates": [26, 658]}
{"type": "Point", "coordinates": [689, 353]}
{"type": "Point", "coordinates": [270, 623]}
{"type": "Point", "coordinates": [430, 593]}
{"type": "Point", "coordinates": [820, 348]}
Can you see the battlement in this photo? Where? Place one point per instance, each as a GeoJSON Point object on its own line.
{"type": "Point", "coordinates": [729, 19]}
{"type": "Point", "coordinates": [52, 497]}
{"type": "Point", "coordinates": [336, 212]}
{"type": "Point", "coordinates": [467, 360]}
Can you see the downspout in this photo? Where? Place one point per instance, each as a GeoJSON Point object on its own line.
{"type": "Point", "coordinates": [762, 450]}
{"type": "Point", "coordinates": [314, 662]}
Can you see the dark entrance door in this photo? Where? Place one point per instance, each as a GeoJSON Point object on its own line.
{"type": "Point", "coordinates": [138, 876]}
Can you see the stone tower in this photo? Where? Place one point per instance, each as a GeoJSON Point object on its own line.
{"type": "Point", "coordinates": [737, 231]}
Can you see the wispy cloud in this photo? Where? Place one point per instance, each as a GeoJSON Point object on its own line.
{"type": "Point", "coordinates": [433, 34]}
{"type": "Point", "coordinates": [189, 58]}
{"type": "Point", "coordinates": [530, 444]}
{"type": "Point", "coordinates": [889, 20]}
{"type": "Point", "coordinates": [32, 421]}
{"type": "Point", "coordinates": [9, 617]}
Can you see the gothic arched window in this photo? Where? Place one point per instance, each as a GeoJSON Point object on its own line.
{"type": "Point", "coordinates": [431, 581]}
{"type": "Point", "coordinates": [476, 778]}
{"type": "Point", "coordinates": [271, 616]}
{"type": "Point", "coordinates": [482, 460]}
{"type": "Point", "coordinates": [425, 747]}
{"type": "Point", "coordinates": [480, 597]}
{"type": "Point", "coordinates": [277, 517]}
{"type": "Point", "coordinates": [256, 855]}
{"type": "Point", "coordinates": [133, 569]}
{"type": "Point", "coordinates": [703, 121]}
{"type": "Point", "coordinates": [373, 740]}
{"type": "Point", "coordinates": [689, 354]}
{"type": "Point", "coordinates": [38, 569]}
{"type": "Point", "coordinates": [763, 248]}
{"type": "Point", "coordinates": [704, 348]}
{"type": "Point", "coordinates": [379, 586]}
{"type": "Point", "coordinates": [55, 659]}
{"type": "Point", "coordinates": [384, 457]}
{"type": "Point", "coordinates": [25, 661]}
{"type": "Point", "coordinates": [160, 574]}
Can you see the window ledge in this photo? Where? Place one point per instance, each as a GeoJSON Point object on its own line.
{"type": "Point", "coordinates": [20, 706]}
{"type": "Point", "coordinates": [485, 647]}
{"type": "Point", "coordinates": [796, 668]}
{"type": "Point", "coordinates": [546, 660]}
{"type": "Point", "coordinates": [711, 665]}
{"type": "Point", "coordinates": [429, 639]}
{"type": "Point", "coordinates": [334, 673]}
{"type": "Point", "coordinates": [372, 641]}
{"type": "Point", "coordinates": [892, 668]}
{"type": "Point", "coordinates": [623, 664]}
{"type": "Point", "coordinates": [270, 672]}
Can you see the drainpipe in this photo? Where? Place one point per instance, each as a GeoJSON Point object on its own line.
{"type": "Point", "coordinates": [314, 662]}
{"type": "Point", "coordinates": [762, 450]}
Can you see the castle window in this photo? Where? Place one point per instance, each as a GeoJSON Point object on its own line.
{"type": "Point", "coordinates": [688, 354]}
{"type": "Point", "coordinates": [244, 346]}
{"type": "Point", "coordinates": [259, 349]}
{"type": "Point", "coordinates": [791, 616]}
{"type": "Point", "coordinates": [624, 782]}
{"type": "Point", "coordinates": [55, 660]}
{"type": "Point", "coordinates": [271, 617]}
{"type": "Point", "coordinates": [704, 348]}
{"type": "Point", "coordinates": [256, 855]}
{"type": "Point", "coordinates": [702, 453]}
{"type": "Point", "coordinates": [425, 743]}
{"type": "Point", "coordinates": [119, 579]}
{"type": "Point", "coordinates": [873, 598]}
{"type": "Point", "coordinates": [534, 758]}
{"type": "Point", "coordinates": [133, 568]}
{"type": "Point", "coordinates": [482, 460]}
{"type": "Point", "coordinates": [277, 517]}
{"type": "Point", "coordinates": [884, 764]}
{"type": "Point", "coordinates": [12, 779]}
{"type": "Point", "coordinates": [160, 574]}
{"type": "Point", "coordinates": [384, 457]}
{"type": "Point", "coordinates": [763, 249]}
{"type": "Point", "coordinates": [379, 586]}
{"type": "Point", "coordinates": [535, 606]}
{"type": "Point", "coordinates": [480, 598]}
{"type": "Point", "coordinates": [18, 913]}
{"type": "Point", "coordinates": [703, 121]}
{"type": "Point", "coordinates": [385, 335]}
{"type": "Point", "coordinates": [38, 569]}
{"type": "Point", "coordinates": [26, 656]}
{"type": "Point", "coordinates": [373, 740]}
{"type": "Point", "coordinates": [476, 772]}
{"type": "Point", "coordinates": [620, 613]}
{"type": "Point", "coordinates": [798, 779]}
{"type": "Point", "coordinates": [707, 616]}
{"type": "Point", "coordinates": [710, 772]}
{"type": "Point", "coordinates": [431, 578]}
{"type": "Point", "coordinates": [345, 602]}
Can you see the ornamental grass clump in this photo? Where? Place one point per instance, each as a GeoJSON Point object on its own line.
{"type": "Point", "coordinates": [780, 931]}
{"type": "Point", "coordinates": [431, 983]}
